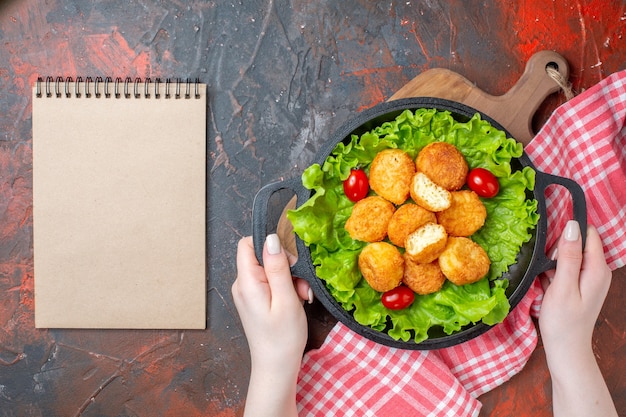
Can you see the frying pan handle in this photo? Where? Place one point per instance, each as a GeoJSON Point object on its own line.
{"type": "Point", "coordinates": [303, 267]}
{"type": "Point", "coordinates": [542, 180]}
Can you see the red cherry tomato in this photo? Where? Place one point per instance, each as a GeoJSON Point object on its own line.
{"type": "Point", "coordinates": [483, 182]}
{"type": "Point", "coordinates": [356, 186]}
{"type": "Point", "coordinates": [398, 298]}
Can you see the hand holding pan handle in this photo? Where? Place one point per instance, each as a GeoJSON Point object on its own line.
{"type": "Point", "coordinates": [579, 205]}
{"type": "Point", "coordinates": [539, 261]}
{"type": "Point", "coordinates": [303, 267]}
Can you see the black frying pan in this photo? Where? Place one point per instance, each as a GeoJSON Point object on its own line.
{"type": "Point", "coordinates": [531, 260]}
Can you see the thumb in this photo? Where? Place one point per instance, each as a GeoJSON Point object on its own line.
{"type": "Point", "coordinates": [277, 270]}
{"type": "Point", "coordinates": [569, 260]}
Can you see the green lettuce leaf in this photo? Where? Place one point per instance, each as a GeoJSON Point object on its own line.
{"type": "Point", "coordinates": [511, 216]}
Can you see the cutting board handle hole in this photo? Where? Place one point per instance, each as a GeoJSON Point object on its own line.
{"type": "Point", "coordinates": [552, 65]}
{"type": "Point", "coordinates": [560, 78]}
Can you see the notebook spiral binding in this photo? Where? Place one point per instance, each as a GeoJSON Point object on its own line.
{"type": "Point", "coordinates": [59, 86]}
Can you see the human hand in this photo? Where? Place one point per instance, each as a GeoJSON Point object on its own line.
{"type": "Point", "coordinates": [269, 302]}
{"type": "Point", "coordinates": [574, 293]}
{"type": "Point", "coordinates": [572, 301]}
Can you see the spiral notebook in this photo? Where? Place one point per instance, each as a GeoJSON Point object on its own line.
{"type": "Point", "coordinates": [119, 203]}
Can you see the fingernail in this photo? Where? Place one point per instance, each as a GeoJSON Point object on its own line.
{"type": "Point", "coordinates": [572, 230]}
{"type": "Point", "coordinates": [311, 297]}
{"type": "Point", "coordinates": [273, 244]}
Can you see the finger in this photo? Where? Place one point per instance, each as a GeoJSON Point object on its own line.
{"type": "Point", "coordinates": [304, 290]}
{"type": "Point", "coordinates": [248, 267]}
{"type": "Point", "coordinates": [277, 270]}
{"type": "Point", "coordinates": [569, 260]}
{"type": "Point", "coordinates": [597, 278]}
{"type": "Point", "coordinates": [292, 258]}
{"type": "Point", "coordinates": [245, 254]}
{"type": "Point", "coordinates": [545, 280]}
{"type": "Point", "coordinates": [250, 289]}
{"type": "Point", "coordinates": [553, 252]}
{"type": "Point", "coordinates": [593, 252]}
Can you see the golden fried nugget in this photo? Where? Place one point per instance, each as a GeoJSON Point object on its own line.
{"type": "Point", "coordinates": [464, 261]}
{"type": "Point", "coordinates": [423, 278]}
{"type": "Point", "coordinates": [426, 243]}
{"type": "Point", "coordinates": [407, 219]}
{"type": "Point", "coordinates": [390, 175]}
{"type": "Point", "coordinates": [369, 219]}
{"type": "Point", "coordinates": [382, 266]}
{"type": "Point", "coordinates": [444, 164]}
{"type": "Point", "coordinates": [428, 194]}
{"type": "Point", "coordinates": [465, 215]}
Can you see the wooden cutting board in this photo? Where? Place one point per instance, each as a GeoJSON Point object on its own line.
{"type": "Point", "coordinates": [514, 110]}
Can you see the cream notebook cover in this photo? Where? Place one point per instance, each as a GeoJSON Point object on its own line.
{"type": "Point", "coordinates": [119, 190]}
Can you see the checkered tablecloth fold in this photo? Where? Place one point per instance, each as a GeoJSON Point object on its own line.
{"type": "Point", "coordinates": [585, 140]}
{"type": "Point", "coordinates": [362, 378]}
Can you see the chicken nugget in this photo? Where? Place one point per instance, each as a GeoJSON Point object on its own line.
{"type": "Point", "coordinates": [428, 194]}
{"type": "Point", "coordinates": [407, 219]}
{"type": "Point", "coordinates": [390, 175]}
{"type": "Point", "coordinates": [423, 278]}
{"type": "Point", "coordinates": [464, 261]}
{"type": "Point", "coordinates": [444, 164]}
{"type": "Point", "coordinates": [369, 219]}
{"type": "Point", "coordinates": [426, 243]}
{"type": "Point", "coordinates": [465, 215]}
{"type": "Point", "coordinates": [382, 266]}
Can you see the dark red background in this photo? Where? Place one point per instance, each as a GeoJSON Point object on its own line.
{"type": "Point", "coordinates": [281, 76]}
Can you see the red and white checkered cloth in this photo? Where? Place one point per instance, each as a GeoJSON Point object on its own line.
{"type": "Point", "coordinates": [584, 139]}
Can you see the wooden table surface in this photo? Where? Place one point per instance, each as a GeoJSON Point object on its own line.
{"type": "Point", "coordinates": [281, 76]}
